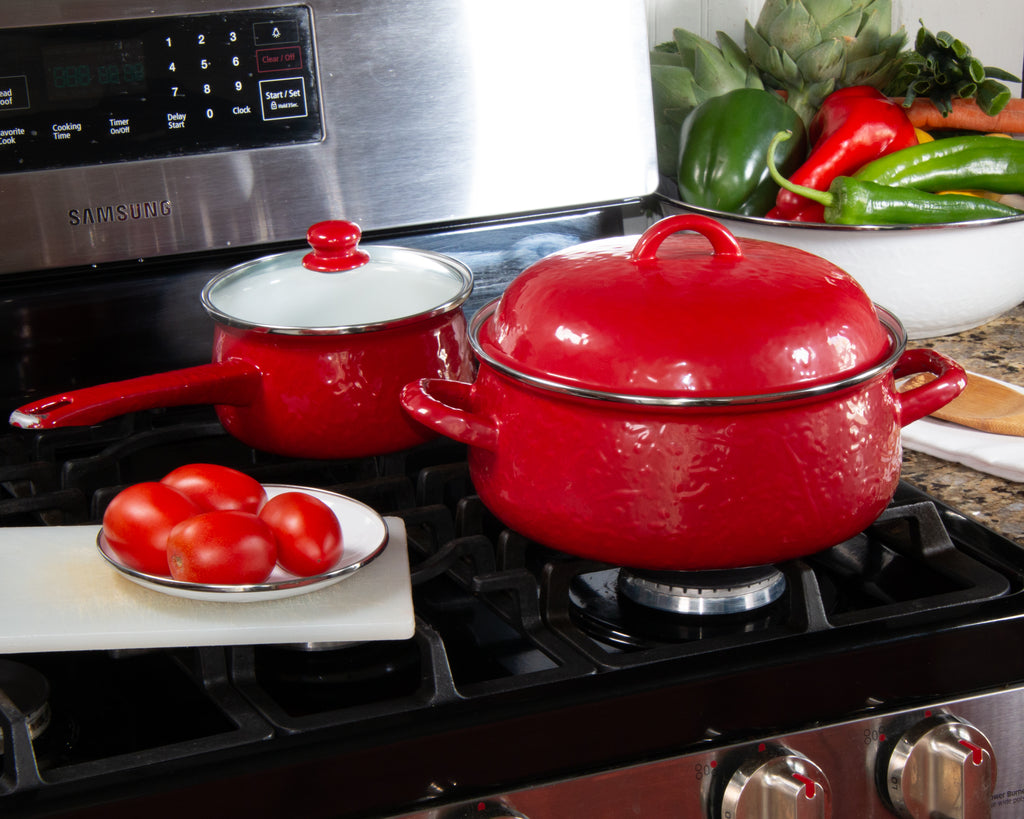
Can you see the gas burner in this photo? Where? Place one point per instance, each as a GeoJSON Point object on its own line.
{"type": "Point", "coordinates": [601, 608]}
{"type": "Point", "coordinates": [29, 691]}
{"type": "Point", "coordinates": [706, 592]}
{"type": "Point", "coordinates": [306, 678]}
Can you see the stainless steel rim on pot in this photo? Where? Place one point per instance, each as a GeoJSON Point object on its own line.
{"type": "Point", "coordinates": [897, 334]}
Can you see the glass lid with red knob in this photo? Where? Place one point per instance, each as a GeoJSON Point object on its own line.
{"type": "Point", "coordinates": [339, 286]}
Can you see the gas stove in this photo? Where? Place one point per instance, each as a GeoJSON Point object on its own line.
{"type": "Point", "coordinates": [879, 677]}
{"type": "Point", "coordinates": [536, 683]}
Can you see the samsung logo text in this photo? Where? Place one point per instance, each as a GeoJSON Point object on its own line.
{"type": "Point", "coordinates": [122, 212]}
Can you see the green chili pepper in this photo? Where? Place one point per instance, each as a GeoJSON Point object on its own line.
{"type": "Point", "coordinates": [850, 201]}
{"type": "Point", "coordinates": [723, 144]}
{"type": "Point", "coordinates": [976, 162]}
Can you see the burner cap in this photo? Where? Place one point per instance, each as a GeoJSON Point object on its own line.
{"type": "Point", "coordinates": [709, 592]}
{"type": "Point", "coordinates": [29, 691]}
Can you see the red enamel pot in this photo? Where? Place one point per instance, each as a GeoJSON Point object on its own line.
{"type": "Point", "coordinates": [310, 350]}
{"type": "Point", "coordinates": [687, 401]}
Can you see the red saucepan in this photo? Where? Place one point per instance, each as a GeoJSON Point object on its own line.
{"type": "Point", "coordinates": [685, 402]}
{"type": "Point", "coordinates": [310, 350]}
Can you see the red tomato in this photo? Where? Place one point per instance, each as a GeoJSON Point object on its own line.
{"type": "Point", "coordinates": [226, 546]}
{"type": "Point", "coordinates": [308, 533]}
{"type": "Point", "coordinates": [217, 487]}
{"type": "Point", "coordinates": [139, 519]}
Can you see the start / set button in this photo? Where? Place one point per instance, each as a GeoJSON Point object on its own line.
{"type": "Point", "coordinates": [284, 98]}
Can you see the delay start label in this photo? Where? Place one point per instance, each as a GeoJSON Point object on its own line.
{"type": "Point", "coordinates": [283, 98]}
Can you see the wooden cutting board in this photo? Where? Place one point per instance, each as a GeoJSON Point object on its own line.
{"type": "Point", "coordinates": [57, 593]}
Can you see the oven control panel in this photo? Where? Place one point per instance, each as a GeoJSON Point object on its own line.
{"type": "Point", "coordinates": [110, 91]}
{"type": "Point", "coordinates": [132, 132]}
{"type": "Point", "coordinates": [962, 758]}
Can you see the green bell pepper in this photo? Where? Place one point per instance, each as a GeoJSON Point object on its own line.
{"type": "Point", "coordinates": [724, 148]}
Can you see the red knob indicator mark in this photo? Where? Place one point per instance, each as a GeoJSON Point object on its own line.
{"type": "Point", "coordinates": [807, 782]}
{"type": "Point", "coordinates": [976, 751]}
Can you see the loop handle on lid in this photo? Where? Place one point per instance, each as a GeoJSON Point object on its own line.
{"type": "Point", "coordinates": [723, 243]}
{"type": "Point", "coordinates": [334, 246]}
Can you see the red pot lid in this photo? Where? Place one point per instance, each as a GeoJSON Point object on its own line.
{"type": "Point", "coordinates": [337, 286]}
{"type": "Point", "coordinates": [687, 311]}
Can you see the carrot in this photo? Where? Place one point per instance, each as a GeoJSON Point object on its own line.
{"type": "Point", "coordinates": [966, 116]}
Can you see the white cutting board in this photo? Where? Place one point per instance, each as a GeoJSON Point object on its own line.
{"type": "Point", "coordinates": [57, 593]}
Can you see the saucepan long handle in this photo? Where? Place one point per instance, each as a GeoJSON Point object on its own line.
{"type": "Point", "coordinates": [231, 382]}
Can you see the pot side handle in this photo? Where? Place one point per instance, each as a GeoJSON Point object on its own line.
{"type": "Point", "coordinates": [223, 382]}
{"type": "Point", "coordinates": [443, 406]}
{"type": "Point", "coordinates": [950, 380]}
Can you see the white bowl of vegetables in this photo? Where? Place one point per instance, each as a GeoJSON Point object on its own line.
{"type": "Point", "coordinates": [937, 279]}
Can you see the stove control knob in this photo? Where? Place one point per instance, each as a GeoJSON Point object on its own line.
{"type": "Point", "coordinates": [777, 783]}
{"type": "Point", "coordinates": [942, 767]}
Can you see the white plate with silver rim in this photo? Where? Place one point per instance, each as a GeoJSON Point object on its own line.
{"type": "Point", "coordinates": [364, 536]}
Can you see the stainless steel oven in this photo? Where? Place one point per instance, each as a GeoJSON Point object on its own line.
{"type": "Point", "coordinates": [134, 130]}
{"type": "Point", "coordinates": [143, 149]}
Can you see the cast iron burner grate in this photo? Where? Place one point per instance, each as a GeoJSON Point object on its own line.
{"type": "Point", "coordinates": [24, 691]}
{"type": "Point", "coordinates": [479, 629]}
{"type": "Point", "coordinates": [905, 566]}
{"type": "Point", "coordinates": [498, 616]}
{"type": "Point", "coordinates": [88, 716]}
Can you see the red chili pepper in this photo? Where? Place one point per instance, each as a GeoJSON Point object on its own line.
{"type": "Point", "coordinates": [853, 126]}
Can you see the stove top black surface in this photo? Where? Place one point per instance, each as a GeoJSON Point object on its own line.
{"type": "Point", "coordinates": [521, 650]}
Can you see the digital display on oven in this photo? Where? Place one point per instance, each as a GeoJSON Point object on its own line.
{"type": "Point", "coordinates": [115, 91]}
{"type": "Point", "coordinates": [90, 71]}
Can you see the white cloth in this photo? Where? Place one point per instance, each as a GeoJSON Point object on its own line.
{"type": "Point", "coordinates": [999, 455]}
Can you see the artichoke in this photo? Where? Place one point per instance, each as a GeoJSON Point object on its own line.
{"type": "Point", "coordinates": [809, 48]}
{"type": "Point", "coordinates": [684, 73]}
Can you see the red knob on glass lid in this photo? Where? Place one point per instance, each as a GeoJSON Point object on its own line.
{"type": "Point", "coordinates": [335, 247]}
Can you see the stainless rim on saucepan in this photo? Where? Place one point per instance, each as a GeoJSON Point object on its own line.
{"type": "Point", "coordinates": [456, 291]}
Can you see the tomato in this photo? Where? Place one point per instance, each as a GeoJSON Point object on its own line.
{"type": "Point", "coordinates": [308, 534]}
{"type": "Point", "coordinates": [226, 546]}
{"type": "Point", "coordinates": [138, 520]}
{"type": "Point", "coordinates": [217, 487]}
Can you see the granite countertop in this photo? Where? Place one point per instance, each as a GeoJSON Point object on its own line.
{"type": "Point", "coordinates": [996, 350]}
